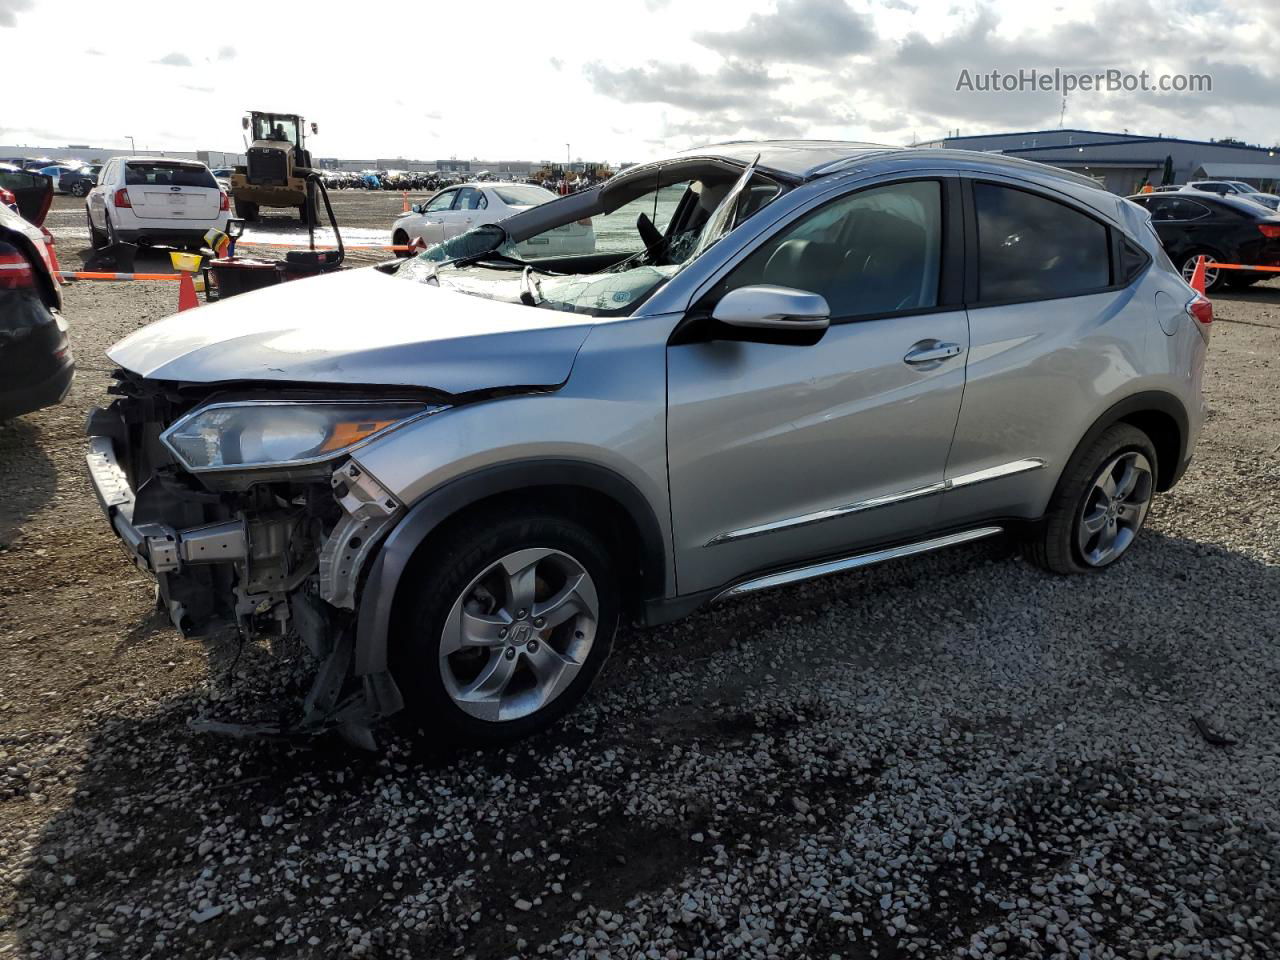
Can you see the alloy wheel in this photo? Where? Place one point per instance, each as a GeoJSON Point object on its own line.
{"type": "Point", "coordinates": [1114, 508]}
{"type": "Point", "coordinates": [1210, 271]}
{"type": "Point", "coordinates": [518, 634]}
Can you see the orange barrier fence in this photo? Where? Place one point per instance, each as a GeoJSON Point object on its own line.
{"type": "Point", "coordinates": [1242, 266]}
{"type": "Point", "coordinates": [98, 275]}
{"type": "Point", "coordinates": [330, 246]}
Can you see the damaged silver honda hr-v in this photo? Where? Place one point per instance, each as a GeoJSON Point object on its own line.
{"type": "Point", "coordinates": [452, 476]}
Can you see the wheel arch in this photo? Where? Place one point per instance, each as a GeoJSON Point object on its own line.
{"type": "Point", "coordinates": [1158, 414]}
{"type": "Point", "coordinates": [587, 489]}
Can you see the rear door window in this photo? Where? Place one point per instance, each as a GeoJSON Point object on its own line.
{"type": "Point", "coordinates": [1034, 248]}
{"type": "Point", "coordinates": [140, 174]}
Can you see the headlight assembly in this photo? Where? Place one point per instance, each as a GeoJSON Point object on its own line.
{"type": "Point", "coordinates": [281, 433]}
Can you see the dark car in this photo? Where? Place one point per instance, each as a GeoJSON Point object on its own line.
{"type": "Point", "coordinates": [79, 182]}
{"type": "Point", "coordinates": [1222, 229]}
{"type": "Point", "coordinates": [36, 365]}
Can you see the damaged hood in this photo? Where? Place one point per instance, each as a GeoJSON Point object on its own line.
{"type": "Point", "coordinates": [360, 327]}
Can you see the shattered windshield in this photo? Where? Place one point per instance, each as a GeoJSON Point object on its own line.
{"type": "Point", "coordinates": [602, 265]}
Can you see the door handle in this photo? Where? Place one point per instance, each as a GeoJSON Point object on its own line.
{"type": "Point", "coordinates": [932, 351]}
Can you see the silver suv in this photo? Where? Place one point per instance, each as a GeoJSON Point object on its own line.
{"type": "Point", "coordinates": [452, 476]}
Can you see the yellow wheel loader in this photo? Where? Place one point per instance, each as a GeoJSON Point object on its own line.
{"type": "Point", "coordinates": [276, 168]}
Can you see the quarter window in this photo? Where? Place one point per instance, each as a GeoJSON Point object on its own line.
{"type": "Point", "coordinates": [869, 253]}
{"type": "Point", "coordinates": [1033, 248]}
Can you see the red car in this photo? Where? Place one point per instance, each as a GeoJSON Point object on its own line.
{"type": "Point", "coordinates": [36, 366]}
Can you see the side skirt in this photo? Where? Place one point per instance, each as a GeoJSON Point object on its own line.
{"type": "Point", "coordinates": [811, 571]}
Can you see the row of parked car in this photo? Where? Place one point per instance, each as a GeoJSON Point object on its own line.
{"type": "Point", "coordinates": [68, 176]}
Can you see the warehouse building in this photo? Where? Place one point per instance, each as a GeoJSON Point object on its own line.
{"type": "Point", "coordinates": [1122, 162]}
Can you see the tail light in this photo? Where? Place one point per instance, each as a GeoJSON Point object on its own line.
{"type": "Point", "coordinates": [8, 199]}
{"type": "Point", "coordinates": [224, 202]}
{"type": "Point", "coordinates": [1200, 309]}
{"type": "Point", "coordinates": [1270, 230]}
{"type": "Point", "coordinates": [121, 198]}
{"type": "Point", "coordinates": [585, 222]}
{"type": "Point", "coordinates": [50, 254]}
{"type": "Point", "coordinates": [15, 271]}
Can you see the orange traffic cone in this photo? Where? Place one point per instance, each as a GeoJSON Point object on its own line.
{"type": "Point", "coordinates": [187, 293]}
{"type": "Point", "coordinates": [1197, 278]}
{"type": "Point", "coordinates": [404, 195]}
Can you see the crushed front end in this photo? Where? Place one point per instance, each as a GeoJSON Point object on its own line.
{"type": "Point", "coordinates": [250, 514]}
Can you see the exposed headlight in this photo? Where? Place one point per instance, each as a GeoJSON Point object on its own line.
{"type": "Point", "coordinates": [274, 433]}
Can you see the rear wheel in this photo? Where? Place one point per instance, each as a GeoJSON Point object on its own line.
{"type": "Point", "coordinates": [1101, 502]}
{"type": "Point", "coordinates": [247, 210]}
{"type": "Point", "coordinates": [80, 188]}
{"type": "Point", "coordinates": [511, 621]}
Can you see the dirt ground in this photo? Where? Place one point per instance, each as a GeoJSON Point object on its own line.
{"type": "Point", "coordinates": [722, 793]}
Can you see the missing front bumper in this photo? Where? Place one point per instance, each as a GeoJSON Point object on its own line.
{"type": "Point", "coordinates": [338, 699]}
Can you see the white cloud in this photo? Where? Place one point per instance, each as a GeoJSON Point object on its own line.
{"type": "Point", "coordinates": [639, 80]}
{"type": "Point", "coordinates": [9, 10]}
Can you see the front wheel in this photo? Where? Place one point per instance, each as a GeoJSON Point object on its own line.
{"type": "Point", "coordinates": [401, 239]}
{"type": "Point", "coordinates": [96, 239]}
{"type": "Point", "coordinates": [511, 621]}
{"type": "Point", "coordinates": [1100, 505]}
{"type": "Point", "coordinates": [79, 188]}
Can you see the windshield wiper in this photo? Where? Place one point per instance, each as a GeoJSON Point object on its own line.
{"type": "Point", "coordinates": [491, 257]}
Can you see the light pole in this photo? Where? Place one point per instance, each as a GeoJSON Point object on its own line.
{"type": "Point", "coordinates": [132, 148]}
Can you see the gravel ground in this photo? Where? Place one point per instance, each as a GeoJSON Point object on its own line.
{"type": "Point", "coordinates": [954, 755]}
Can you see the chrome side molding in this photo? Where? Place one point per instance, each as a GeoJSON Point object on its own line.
{"type": "Point", "coordinates": [831, 513]}
{"type": "Point", "coordinates": [852, 563]}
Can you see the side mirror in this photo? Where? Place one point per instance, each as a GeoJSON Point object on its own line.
{"type": "Point", "coordinates": [770, 308]}
{"type": "Point", "coordinates": [416, 208]}
{"type": "Point", "coordinates": [244, 123]}
{"type": "Point", "coordinates": [315, 128]}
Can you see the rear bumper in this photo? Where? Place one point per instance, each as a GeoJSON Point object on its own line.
{"type": "Point", "coordinates": [169, 235]}
{"type": "Point", "coordinates": [47, 392]}
{"type": "Point", "coordinates": [36, 363]}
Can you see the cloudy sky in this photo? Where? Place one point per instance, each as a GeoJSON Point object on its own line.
{"type": "Point", "coordinates": [618, 79]}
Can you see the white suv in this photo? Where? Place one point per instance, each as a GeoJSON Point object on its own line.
{"type": "Point", "coordinates": [155, 199]}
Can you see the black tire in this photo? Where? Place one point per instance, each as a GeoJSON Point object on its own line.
{"type": "Point", "coordinates": [80, 188]}
{"type": "Point", "coordinates": [1219, 280]}
{"type": "Point", "coordinates": [438, 582]}
{"type": "Point", "coordinates": [96, 239]}
{"type": "Point", "coordinates": [247, 210]}
{"type": "Point", "coordinates": [400, 239]}
{"type": "Point", "coordinates": [1054, 545]}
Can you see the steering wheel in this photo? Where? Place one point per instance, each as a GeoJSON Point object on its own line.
{"type": "Point", "coordinates": [648, 232]}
